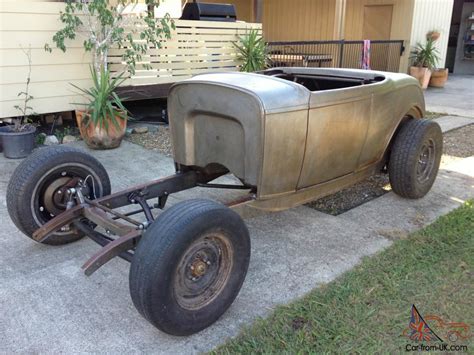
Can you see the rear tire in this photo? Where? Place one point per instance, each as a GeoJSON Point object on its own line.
{"type": "Point", "coordinates": [33, 190]}
{"type": "Point", "coordinates": [189, 266]}
{"type": "Point", "coordinates": [415, 158]}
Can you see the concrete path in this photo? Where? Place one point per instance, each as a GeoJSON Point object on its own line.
{"type": "Point", "coordinates": [449, 123]}
{"type": "Point", "coordinates": [47, 305]}
{"type": "Point", "coordinates": [456, 98]}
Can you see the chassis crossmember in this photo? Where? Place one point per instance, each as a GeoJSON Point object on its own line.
{"type": "Point", "coordinates": [85, 214]}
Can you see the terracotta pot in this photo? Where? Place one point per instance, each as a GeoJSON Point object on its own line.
{"type": "Point", "coordinates": [99, 137]}
{"type": "Point", "coordinates": [422, 74]}
{"type": "Point", "coordinates": [434, 35]}
{"type": "Point", "coordinates": [439, 78]}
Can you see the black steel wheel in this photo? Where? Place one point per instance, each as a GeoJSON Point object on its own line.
{"type": "Point", "coordinates": [415, 158]}
{"type": "Point", "coordinates": [37, 191]}
{"type": "Point", "coordinates": [189, 266]}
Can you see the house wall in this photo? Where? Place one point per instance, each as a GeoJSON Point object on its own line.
{"type": "Point", "coordinates": [401, 19]}
{"type": "Point", "coordinates": [298, 20]}
{"type": "Point", "coordinates": [171, 7]}
{"type": "Point", "coordinates": [195, 47]}
{"type": "Point", "coordinates": [432, 15]}
{"type": "Point", "coordinates": [400, 27]}
{"type": "Point", "coordinates": [31, 25]}
{"type": "Point", "coordinates": [306, 20]}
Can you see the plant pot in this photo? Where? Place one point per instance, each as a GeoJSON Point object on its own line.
{"type": "Point", "coordinates": [99, 137]}
{"type": "Point", "coordinates": [2, 129]}
{"type": "Point", "coordinates": [422, 74]}
{"type": "Point", "coordinates": [17, 145]}
{"type": "Point", "coordinates": [439, 78]}
{"type": "Point", "coordinates": [434, 35]}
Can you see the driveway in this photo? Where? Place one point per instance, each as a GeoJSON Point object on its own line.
{"type": "Point", "coordinates": [456, 98]}
{"type": "Point", "coordinates": [48, 305]}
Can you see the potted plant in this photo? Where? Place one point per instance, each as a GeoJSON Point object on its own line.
{"type": "Point", "coordinates": [439, 76]}
{"type": "Point", "coordinates": [252, 52]}
{"type": "Point", "coordinates": [433, 34]}
{"type": "Point", "coordinates": [425, 59]}
{"type": "Point", "coordinates": [18, 139]}
{"type": "Point", "coordinates": [103, 122]}
{"type": "Point", "coordinates": [107, 24]}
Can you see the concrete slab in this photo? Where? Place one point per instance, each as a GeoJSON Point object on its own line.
{"type": "Point", "coordinates": [449, 123]}
{"type": "Point", "coordinates": [49, 306]}
{"type": "Point", "coordinates": [456, 98]}
{"type": "Point", "coordinates": [394, 217]}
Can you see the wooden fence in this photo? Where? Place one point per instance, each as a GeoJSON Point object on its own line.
{"type": "Point", "coordinates": [195, 47]}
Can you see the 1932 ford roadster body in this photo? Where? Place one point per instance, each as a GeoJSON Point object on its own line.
{"type": "Point", "coordinates": [290, 135]}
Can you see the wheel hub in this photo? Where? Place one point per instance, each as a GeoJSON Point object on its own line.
{"type": "Point", "coordinates": [54, 198]}
{"type": "Point", "coordinates": [203, 271]}
{"type": "Point", "coordinates": [426, 161]}
{"type": "Point", "coordinates": [198, 268]}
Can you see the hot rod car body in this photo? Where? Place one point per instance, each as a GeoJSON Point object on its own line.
{"type": "Point", "coordinates": [289, 135]}
{"type": "Point", "coordinates": [292, 129]}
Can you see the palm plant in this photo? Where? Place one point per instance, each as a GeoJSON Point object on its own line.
{"type": "Point", "coordinates": [425, 56]}
{"type": "Point", "coordinates": [252, 52]}
{"type": "Point", "coordinates": [104, 105]}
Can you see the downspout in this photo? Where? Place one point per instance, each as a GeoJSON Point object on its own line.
{"type": "Point", "coordinates": [339, 19]}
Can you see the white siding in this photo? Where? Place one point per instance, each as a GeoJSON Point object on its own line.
{"type": "Point", "coordinates": [432, 15]}
{"type": "Point", "coordinates": [195, 47]}
{"type": "Point", "coordinates": [32, 24]}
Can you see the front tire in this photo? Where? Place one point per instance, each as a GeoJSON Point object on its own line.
{"type": "Point", "coordinates": [189, 266]}
{"type": "Point", "coordinates": [415, 158]}
{"type": "Point", "coordinates": [35, 193]}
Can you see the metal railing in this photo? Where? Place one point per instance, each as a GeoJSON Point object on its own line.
{"type": "Point", "coordinates": [384, 54]}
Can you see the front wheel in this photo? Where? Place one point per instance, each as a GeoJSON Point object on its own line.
{"type": "Point", "coordinates": [37, 189]}
{"type": "Point", "coordinates": [189, 266]}
{"type": "Point", "coordinates": [415, 158]}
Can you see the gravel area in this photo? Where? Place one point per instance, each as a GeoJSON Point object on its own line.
{"type": "Point", "coordinates": [353, 196]}
{"type": "Point", "coordinates": [457, 143]}
{"type": "Point", "coordinates": [160, 140]}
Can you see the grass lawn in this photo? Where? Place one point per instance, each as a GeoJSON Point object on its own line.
{"type": "Point", "coordinates": [366, 309]}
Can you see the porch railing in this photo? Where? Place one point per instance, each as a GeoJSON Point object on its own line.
{"type": "Point", "coordinates": [384, 54]}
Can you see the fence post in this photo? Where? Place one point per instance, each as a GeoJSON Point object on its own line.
{"type": "Point", "coordinates": [341, 52]}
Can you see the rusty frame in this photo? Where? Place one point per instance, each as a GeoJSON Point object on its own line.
{"type": "Point", "coordinates": [100, 212]}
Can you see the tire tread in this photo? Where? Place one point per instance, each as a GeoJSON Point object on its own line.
{"type": "Point", "coordinates": [154, 247]}
{"type": "Point", "coordinates": [404, 155]}
{"type": "Point", "coordinates": [24, 177]}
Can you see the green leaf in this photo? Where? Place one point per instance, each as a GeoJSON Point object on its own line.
{"type": "Point", "coordinates": [251, 51]}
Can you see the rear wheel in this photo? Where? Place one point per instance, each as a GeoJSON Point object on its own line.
{"type": "Point", "coordinates": [38, 188]}
{"type": "Point", "coordinates": [415, 158]}
{"type": "Point", "coordinates": [189, 266]}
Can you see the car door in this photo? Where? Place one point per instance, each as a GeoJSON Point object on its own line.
{"type": "Point", "coordinates": [337, 127]}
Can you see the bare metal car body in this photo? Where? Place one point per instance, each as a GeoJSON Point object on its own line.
{"type": "Point", "coordinates": [290, 135]}
{"type": "Point", "coordinates": [295, 134]}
